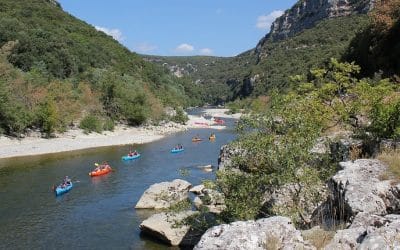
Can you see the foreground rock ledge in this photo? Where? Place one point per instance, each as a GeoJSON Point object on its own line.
{"type": "Point", "coordinates": [164, 195]}
{"type": "Point", "coordinates": [270, 233]}
{"type": "Point", "coordinates": [166, 227]}
{"type": "Point", "coordinates": [359, 188]}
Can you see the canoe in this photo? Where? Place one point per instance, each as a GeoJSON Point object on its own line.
{"type": "Point", "coordinates": [62, 190]}
{"type": "Point", "coordinates": [103, 171]}
{"type": "Point", "coordinates": [127, 157]}
{"type": "Point", "coordinates": [196, 139]}
{"type": "Point", "coordinates": [174, 150]}
{"type": "Point", "coordinates": [219, 121]}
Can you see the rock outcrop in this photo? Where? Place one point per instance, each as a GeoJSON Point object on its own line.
{"type": "Point", "coordinates": [197, 189]}
{"type": "Point", "coordinates": [164, 194]}
{"type": "Point", "coordinates": [306, 13]}
{"type": "Point", "coordinates": [359, 188]}
{"type": "Point", "coordinates": [271, 233]}
{"type": "Point", "coordinates": [213, 200]}
{"type": "Point", "coordinates": [295, 197]}
{"type": "Point", "coordinates": [369, 232]}
{"type": "Point", "coordinates": [227, 154]}
{"type": "Point", "coordinates": [168, 227]}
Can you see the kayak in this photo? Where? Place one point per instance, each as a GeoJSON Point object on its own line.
{"type": "Point", "coordinates": [196, 139]}
{"type": "Point", "coordinates": [103, 171]}
{"type": "Point", "coordinates": [219, 121]}
{"type": "Point", "coordinates": [59, 190]}
{"type": "Point", "coordinates": [127, 157]}
{"type": "Point", "coordinates": [177, 150]}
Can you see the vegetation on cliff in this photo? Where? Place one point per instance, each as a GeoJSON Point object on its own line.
{"type": "Point", "coordinates": [377, 48]}
{"type": "Point", "coordinates": [278, 142]}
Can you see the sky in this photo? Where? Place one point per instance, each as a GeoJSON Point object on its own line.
{"type": "Point", "coordinates": [181, 27]}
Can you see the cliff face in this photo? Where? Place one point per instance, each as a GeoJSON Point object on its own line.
{"type": "Point", "coordinates": [306, 13]}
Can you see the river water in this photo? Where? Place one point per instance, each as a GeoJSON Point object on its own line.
{"type": "Point", "coordinates": [98, 213]}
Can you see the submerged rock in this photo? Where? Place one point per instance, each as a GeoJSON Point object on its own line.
{"type": "Point", "coordinates": [168, 227]}
{"type": "Point", "coordinates": [271, 233]}
{"type": "Point", "coordinates": [164, 194]}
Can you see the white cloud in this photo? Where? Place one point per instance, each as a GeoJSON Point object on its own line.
{"type": "Point", "coordinates": [145, 47]}
{"type": "Point", "coordinates": [115, 33]}
{"type": "Point", "coordinates": [264, 22]}
{"type": "Point", "coordinates": [206, 51]}
{"type": "Point", "coordinates": [184, 48]}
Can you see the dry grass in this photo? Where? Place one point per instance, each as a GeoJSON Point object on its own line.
{"type": "Point", "coordinates": [272, 243]}
{"type": "Point", "coordinates": [392, 159]}
{"type": "Point", "coordinates": [318, 237]}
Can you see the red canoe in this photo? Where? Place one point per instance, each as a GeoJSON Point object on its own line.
{"type": "Point", "coordinates": [103, 171]}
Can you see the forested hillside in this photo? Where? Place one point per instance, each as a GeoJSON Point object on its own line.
{"type": "Point", "coordinates": [216, 75]}
{"type": "Point", "coordinates": [377, 48]}
{"type": "Point", "coordinates": [314, 36]}
{"type": "Point", "coordinates": [56, 70]}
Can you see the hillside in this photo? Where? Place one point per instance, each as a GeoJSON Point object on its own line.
{"type": "Point", "coordinates": [50, 59]}
{"type": "Point", "coordinates": [306, 36]}
{"type": "Point", "coordinates": [278, 60]}
{"type": "Point", "coordinates": [216, 75]}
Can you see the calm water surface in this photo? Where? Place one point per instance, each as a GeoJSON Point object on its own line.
{"type": "Point", "coordinates": [98, 213]}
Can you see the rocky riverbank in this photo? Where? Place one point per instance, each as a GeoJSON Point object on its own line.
{"type": "Point", "coordinates": [359, 208]}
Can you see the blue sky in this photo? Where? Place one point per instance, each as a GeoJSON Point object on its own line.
{"type": "Point", "coordinates": [181, 27]}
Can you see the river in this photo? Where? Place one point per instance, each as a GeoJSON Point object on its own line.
{"type": "Point", "coordinates": [98, 213]}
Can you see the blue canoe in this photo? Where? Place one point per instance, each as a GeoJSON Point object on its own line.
{"type": "Point", "coordinates": [127, 157]}
{"type": "Point", "coordinates": [175, 150]}
{"type": "Point", "coordinates": [62, 190]}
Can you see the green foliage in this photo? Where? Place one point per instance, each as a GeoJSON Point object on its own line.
{"type": "Point", "coordinates": [276, 142]}
{"type": "Point", "coordinates": [377, 48]}
{"type": "Point", "coordinates": [48, 116]}
{"type": "Point", "coordinates": [45, 51]}
{"type": "Point", "coordinates": [14, 118]}
{"type": "Point", "coordinates": [91, 123]}
{"type": "Point", "coordinates": [210, 78]}
{"type": "Point", "coordinates": [386, 118]}
{"type": "Point", "coordinates": [243, 195]}
{"type": "Point", "coordinates": [180, 116]}
{"type": "Point", "coordinates": [108, 125]}
{"type": "Point", "coordinates": [309, 49]}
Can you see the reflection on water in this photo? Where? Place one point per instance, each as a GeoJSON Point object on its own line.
{"type": "Point", "coordinates": [98, 212]}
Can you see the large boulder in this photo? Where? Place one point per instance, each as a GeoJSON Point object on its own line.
{"type": "Point", "coordinates": [270, 233]}
{"type": "Point", "coordinates": [164, 195]}
{"type": "Point", "coordinates": [385, 237]}
{"type": "Point", "coordinates": [369, 231]}
{"type": "Point", "coordinates": [197, 189]}
{"type": "Point", "coordinates": [304, 199]}
{"type": "Point", "coordinates": [359, 188]}
{"type": "Point", "coordinates": [168, 227]}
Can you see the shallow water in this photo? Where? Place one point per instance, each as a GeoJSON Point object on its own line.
{"type": "Point", "coordinates": [98, 213]}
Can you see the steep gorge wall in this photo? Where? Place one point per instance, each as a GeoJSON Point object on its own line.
{"type": "Point", "coordinates": [306, 13]}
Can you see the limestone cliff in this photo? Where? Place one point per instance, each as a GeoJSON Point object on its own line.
{"type": "Point", "coordinates": [306, 13]}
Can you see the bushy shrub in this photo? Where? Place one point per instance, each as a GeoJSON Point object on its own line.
{"type": "Point", "coordinates": [180, 116]}
{"type": "Point", "coordinates": [386, 119]}
{"type": "Point", "coordinates": [91, 123]}
{"type": "Point", "coordinates": [108, 124]}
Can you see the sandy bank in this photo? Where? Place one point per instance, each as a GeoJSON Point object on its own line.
{"type": "Point", "coordinates": [221, 113]}
{"type": "Point", "coordinates": [77, 140]}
